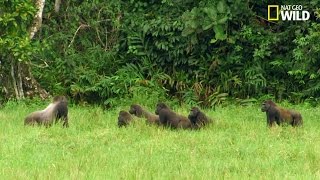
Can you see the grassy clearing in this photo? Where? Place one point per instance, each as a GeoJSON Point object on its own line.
{"type": "Point", "coordinates": [237, 146]}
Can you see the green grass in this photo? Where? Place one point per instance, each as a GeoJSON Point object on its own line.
{"type": "Point", "coordinates": [237, 146]}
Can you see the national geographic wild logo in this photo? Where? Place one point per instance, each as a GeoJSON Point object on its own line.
{"type": "Point", "coordinates": [287, 13]}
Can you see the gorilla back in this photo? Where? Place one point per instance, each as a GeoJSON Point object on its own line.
{"type": "Point", "coordinates": [55, 111]}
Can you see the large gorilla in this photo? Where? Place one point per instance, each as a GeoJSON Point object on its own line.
{"type": "Point", "coordinates": [280, 115]}
{"type": "Point", "coordinates": [55, 111]}
{"type": "Point", "coordinates": [171, 119]}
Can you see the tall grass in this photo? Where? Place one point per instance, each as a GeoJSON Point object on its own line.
{"type": "Point", "coordinates": [238, 146]}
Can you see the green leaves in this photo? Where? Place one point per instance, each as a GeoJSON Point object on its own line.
{"type": "Point", "coordinates": [222, 7]}
{"type": "Point", "coordinates": [213, 16]}
{"type": "Point", "coordinates": [192, 50]}
{"type": "Point", "coordinates": [219, 33]}
{"type": "Point", "coordinates": [211, 12]}
{"type": "Point", "coordinates": [16, 17]}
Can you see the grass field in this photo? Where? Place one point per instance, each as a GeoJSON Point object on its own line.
{"type": "Point", "coordinates": [237, 146]}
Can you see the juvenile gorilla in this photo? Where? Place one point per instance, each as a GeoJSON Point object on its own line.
{"type": "Point", "coordinates": [138, 111]}
{"type": "Point", "coordinates": [280, 115]}
{"type": "Point", "coordinates": [171, 119]}
{"type": "Point", "coordinates": [124, 118]}
{"type": "Point", "coordinates": [55, 111]}
{"type": "Point", "coordinates": [198, 118]}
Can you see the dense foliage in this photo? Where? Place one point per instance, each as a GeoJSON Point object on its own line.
{"type": "Point", "coordinates": [200, 52]}
{"type": "Point", "coordinates": [15, 46]}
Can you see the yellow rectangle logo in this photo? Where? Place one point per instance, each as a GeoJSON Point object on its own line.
{"type": "Point", "coordinates": [271, 10]}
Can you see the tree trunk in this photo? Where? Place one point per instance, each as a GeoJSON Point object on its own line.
{"type": "Point", "coordinates": [37, 21]}
{"type": "Point", "coordinates": [16, 80]}
{"type": "Point", "coordinates": [57, 4]}
{"type": "Point", "coordinates": [28, 82]}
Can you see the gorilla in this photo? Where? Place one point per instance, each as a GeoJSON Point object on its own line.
{"type": "Point", "coordinates": [55, 111]}
{"type": "Point", "coordinates": [280, 115]}
{"type": "Point", "coordinates": [171, 119]}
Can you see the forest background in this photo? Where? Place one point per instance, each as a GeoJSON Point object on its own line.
{"type": "Point", "coordinates": [195, 52]}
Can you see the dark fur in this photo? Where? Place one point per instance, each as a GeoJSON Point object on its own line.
{"type": "Point", "coordinates": [198, 118]}
{"type": "Point", "coordinates": [124, 118]}
{"type": "Point", "coordinates": [280, 115]}
{"type": "Point", "coordinates": [138, 111]}
{"type": "Point", "coordinates": [171, 119]}
{"type": "Point", "coordinates": [55, 111]}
